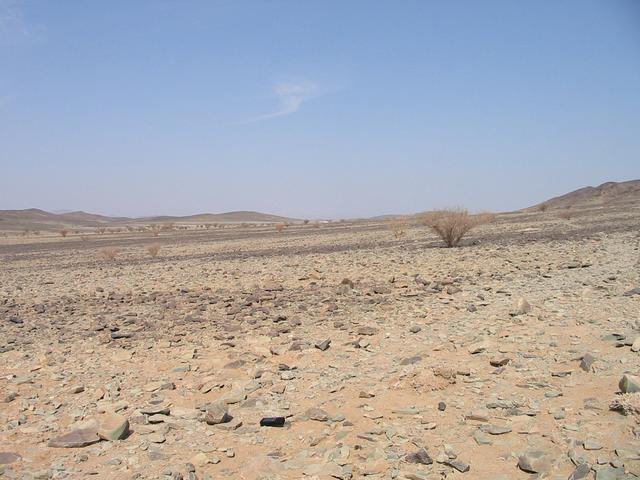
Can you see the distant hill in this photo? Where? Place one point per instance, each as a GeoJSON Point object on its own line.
{"type": "Point", "coordinates": [36, 219]}
{"type": "Point", "coordinates": [228, 217]}
{"type": "Point", "coordinates": [609, 193]}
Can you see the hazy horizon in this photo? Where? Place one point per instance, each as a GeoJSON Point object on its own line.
{"type": "Point", "coordinates": [314, 110]}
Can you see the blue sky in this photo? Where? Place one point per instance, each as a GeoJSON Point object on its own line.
{"type": "Point", "coordinates": [314, 109]}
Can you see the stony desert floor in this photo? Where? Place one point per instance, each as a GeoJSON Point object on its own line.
{"type": "Point", "coordinates": [389, 358]}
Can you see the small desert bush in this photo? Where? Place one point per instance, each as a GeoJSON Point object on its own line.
{"type": "Point", "coordinates": [153, 249]}
{"type": "Point", "coordinates": [398, 227]}
{"type": "Point", "coordinates": [452, 224]}
{"type": "Point", "coordinates": [109, 253]}
{"type": "Point", "coordinates": [63, 232]}
{"type": "Point", "coordinates": [280, 227]}
{"type": "Point", "coordinates": [543, 207]}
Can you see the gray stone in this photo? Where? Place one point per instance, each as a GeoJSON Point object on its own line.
{"type": "Point", "coordinates": [75, 439]}
{"type": "Point", "coordinates": [587, 362]}
{"type": "Point", "coordinates": [323, 345]}
{"type": "Point", "coordinates": [629, 384]}
{"type": "Point", "coordinates": [534, 461]}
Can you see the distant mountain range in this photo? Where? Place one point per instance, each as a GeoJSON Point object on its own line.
{"type": "Point", "coordinates": [609, 193]}
{"type": "Point", "coordinates": [36, 219]}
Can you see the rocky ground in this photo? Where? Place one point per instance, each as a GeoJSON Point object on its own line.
{"type": "Point", "coordinates": [388, 358]}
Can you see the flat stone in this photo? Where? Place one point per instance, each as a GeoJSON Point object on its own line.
{"type": "Point", "coordinates": [592, 445]}
{"type": "Point", "coordinates": [323, 345]}
{"type": "Point", "coordinates": [410, 360]}
{"type": "Point", "coordinates": [478, 347]}
{"type": "Point", "coordinates": [75, 439]}
{"type": "Point", "coordinates": [8, 457]}
{"type": "Point", "coordinates": [232, 424]}
{"type": "Point", "coordinates": [495, 429]}
{"type": "Point", "coordinates": [458, 465]}
{"type": "Point", "coordinates": [317, 414]}
{"type": "Point", "coordinates": [499, 361]}
{"type": "Point", "coordinates": [367, 330]}
{"type": "Point", "coordinates": [156, 437]}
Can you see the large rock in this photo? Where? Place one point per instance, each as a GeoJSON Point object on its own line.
{"type": "Point", "coordinates": [217, 413]}
{"type": "Point", "coordinates": [629, 384]}
{"type": "Point", "coordinates": [75, 439]}
{"type": "Point", "coordinates": [113, 427]}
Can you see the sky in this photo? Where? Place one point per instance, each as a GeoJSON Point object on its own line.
{"type": "Point", "coordinates": [314, 109]}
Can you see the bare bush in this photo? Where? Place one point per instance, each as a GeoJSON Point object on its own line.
{"type": "Point", "coordinates": [109, 253]}
{"type": "Point", "coordinates": [280, 227]}
{"type": "Point", "coordinates": [153, 249]}
{"type": "Point", "coordinates": [398, 227]}
{"type": "Point", "coordinates": [452, 224]}
{"type": "Point", "coordinates": [543, 207]}
{"type": "Point", "coordinates": [63, 232]}
{"type": "Point", "coordinates": [84, 238]}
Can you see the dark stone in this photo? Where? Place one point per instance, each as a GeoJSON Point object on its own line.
{"type": "Point", "coordinates": [421, 456]}
{"type": "Point", "coordinates": [587, 362]}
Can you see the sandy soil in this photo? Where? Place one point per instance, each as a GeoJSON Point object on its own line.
{"type": "Point", "coordinates": [440, 360]}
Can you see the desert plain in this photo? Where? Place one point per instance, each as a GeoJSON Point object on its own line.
{"type": "Point", "coordinates": [388, 355]}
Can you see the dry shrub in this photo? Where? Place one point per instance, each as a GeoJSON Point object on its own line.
{"type": "Point", "coordinates": [627, 403]}
{"type": "Point", "coordinates": [63, 232]}
{"type": "Point", "coordinates": [153, 249]}
{"type": "Point", "coordinates": [543, 207]}
{"type": "Point", "coordinates": [101, 230]}
{"type": "Point", "coordinates": [452, 224]}
{"type": "Point", "coordinates": [398, 226]}
{"type": "Point", "coordinates": [280, 227]}
{"type": "Point", "coordinates": [109, 253]}
{"type": "Point", "coordinates": [84, 238]}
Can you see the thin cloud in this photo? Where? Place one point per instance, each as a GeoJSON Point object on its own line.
{"type": "Point", "coordinates": [290, 96]}
{"type": "Point", "coordinates": [13, 28]}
